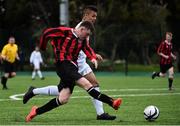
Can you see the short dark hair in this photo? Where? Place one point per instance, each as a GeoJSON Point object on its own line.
{"type": "Point", "coordinates": [89, 8]}
{"type": "Point", "coordinates": [88, 25]}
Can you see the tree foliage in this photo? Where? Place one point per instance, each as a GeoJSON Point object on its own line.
{"type": "Point", "coordinates": [130, 22]}
{"type": "Point", "coordinates": [124, 28]}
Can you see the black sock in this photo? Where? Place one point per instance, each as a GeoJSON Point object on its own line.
{"type": "Point", "coordinates": [54, 103]}
{"type": "Point", "coordinates": [101, 97]}
{"type": "Point", "coordinates": [3, 81]}
{"type": "Point", "coordinates": [170, 82]}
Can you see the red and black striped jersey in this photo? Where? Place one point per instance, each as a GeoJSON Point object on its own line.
{"type": "Point", "coordinates": [65, 43]}
{"type": "Point", "coordinates": [166, 49]}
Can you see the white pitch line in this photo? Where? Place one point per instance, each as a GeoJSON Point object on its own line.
{"type": "Point", "coordinates": [16, 96]}
{"type": "Point", "coordinates": [113, 90]}
{"type": "Point", "coordinates": [79, 97]}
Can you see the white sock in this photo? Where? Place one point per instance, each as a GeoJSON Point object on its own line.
{"type": "Point", "coordinates": [98, 104]}
{"type": "Point", "coordinates": [39, 73]}
{"type": "Point", "coordinates": [33, 74]}
{"type": "Point", "coordinates": [49, 90]}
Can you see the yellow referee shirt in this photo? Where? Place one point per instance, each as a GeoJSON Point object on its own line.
{"type": "Point", "coordinates": [9, 52]}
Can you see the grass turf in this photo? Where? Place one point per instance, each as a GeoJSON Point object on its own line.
{"type": "Point", "coordinates": [137, 91]}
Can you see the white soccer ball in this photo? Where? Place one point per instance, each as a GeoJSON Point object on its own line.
{"type": "Point", "coordinates": [151, 113]}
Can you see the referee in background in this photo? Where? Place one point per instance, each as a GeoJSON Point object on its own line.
{"type": "Point", "coordinates": [9, 55]}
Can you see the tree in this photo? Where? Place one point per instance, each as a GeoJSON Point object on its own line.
{"type": "Point", "coordinates": [140, 19]}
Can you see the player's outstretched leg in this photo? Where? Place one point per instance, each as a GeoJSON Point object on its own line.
{"type": "Point", "coordinates": [53, 103]}
{"type": "Point", "coordinates": [115, 103]}
{"type": "Point", "coordinates": [3, 82]}
{"type": "Point", "coordinates": [28, 95]}
{"type": "Point", "coordinates": [101, 115]}
{"type": "Point", "coordinates": [32, 114]}
{"type": "Point", "coordinates": [155, 74]}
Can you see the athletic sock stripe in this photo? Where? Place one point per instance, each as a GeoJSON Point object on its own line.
{"type": "Point", "coordinates": [91, 88]}
{"type": "Point", "coordinates": [99, 96]}
{"type": "Point", "coordinates": [58, 102]}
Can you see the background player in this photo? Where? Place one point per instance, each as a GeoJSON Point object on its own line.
{"type": "Point", "coordinates": [36, 61]}
{"type": "Point", "coordinates": [9, 55]}
{"type": "Point", "coordinates": [166, 56]}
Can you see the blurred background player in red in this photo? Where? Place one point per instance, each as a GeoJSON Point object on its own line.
{"type": "Point", "coordinates": [166, 57]}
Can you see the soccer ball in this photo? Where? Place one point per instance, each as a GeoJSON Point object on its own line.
{"type": "Point", "coordinates": [151, 113]}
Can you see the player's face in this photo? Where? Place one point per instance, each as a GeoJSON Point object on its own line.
{"type": "Point", "coordinates": [84, 33]}
{"type": "Point", "coordinates": [11, 40]}
{"type": "Point", "coordinates": [91, 16]}
{"type": "Point", "coordinates": [37, 48]}
{"type": "Point", "coordinates": [168, 37]}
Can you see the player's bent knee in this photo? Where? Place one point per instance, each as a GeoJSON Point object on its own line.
{"type": "Point", "coordinates": [84, 83]}
{"type": "Point", "coordinates": [64, 100]}
{"type": "Point", "coordinates": [64, 95]}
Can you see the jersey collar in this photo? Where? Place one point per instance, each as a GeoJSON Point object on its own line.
{"type": "Point", "coordinates": [74, 33]}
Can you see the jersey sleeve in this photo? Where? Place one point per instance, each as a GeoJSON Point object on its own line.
{"type": "Point", "coordinates": [31, 57]}
{"type": "Point", "coordinates": [49, 34]}
{"type": "Point", "coordinates": [89, 51]}
{"type": "Point", "coordinates": [3, 53]}
{"type": "Point", "coordinates": [160, 48]}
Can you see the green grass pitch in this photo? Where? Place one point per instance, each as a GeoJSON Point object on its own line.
{"type": "Point", "coordinates": [136, 90]}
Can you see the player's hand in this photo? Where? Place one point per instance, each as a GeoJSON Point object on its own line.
{"type": "Point", "coordinates": [5, 59]}
{"type": "Point", "coordinates": [17, 57]}
{"type": "Point", "coordinates": [94, 61]}
{"type": "Point", "coordinates": [174, 57]}
{"type": "Point", "coordinates": [99, 57]}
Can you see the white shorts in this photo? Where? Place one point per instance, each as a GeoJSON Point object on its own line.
{"type": "Point", "coordinates": [36, 65]}
{"type": "Point", "coordinates": [84, 69]}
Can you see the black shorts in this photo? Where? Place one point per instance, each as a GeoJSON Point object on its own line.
{"type": "Point", "coordinates": [68, 73]}
{"type": "Point", "coordinates": [165, 67]}
{"type": "Point", "coordinates": [8, 67]}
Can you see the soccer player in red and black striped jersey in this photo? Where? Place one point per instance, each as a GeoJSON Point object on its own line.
{"type": "Point", "coordinates": [166, 57]}
{"type": "Point", "coordinates": [67, 43]}
{"type": "Point", "coordinates": [89, 14]}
